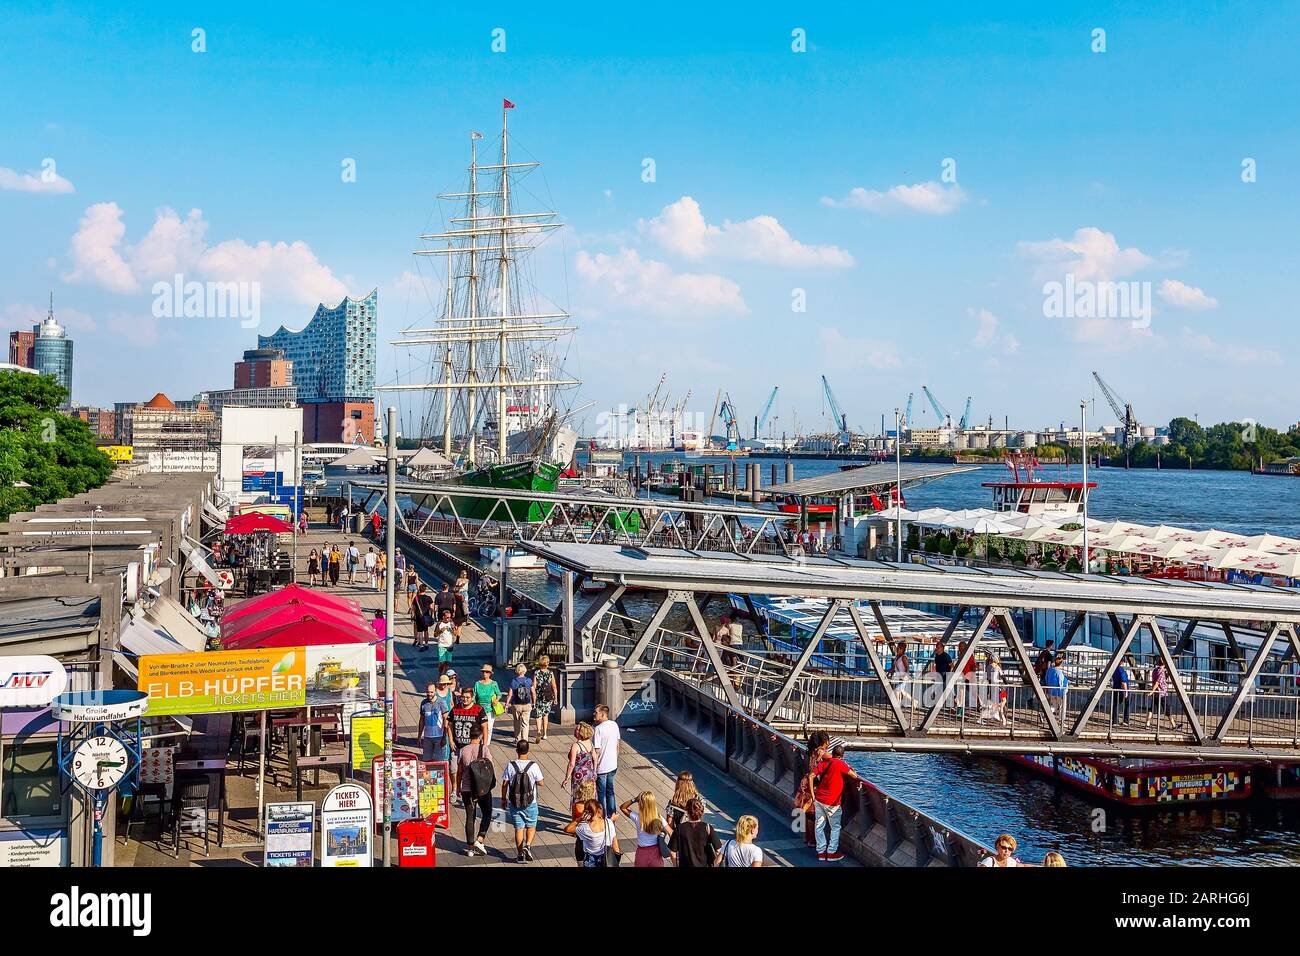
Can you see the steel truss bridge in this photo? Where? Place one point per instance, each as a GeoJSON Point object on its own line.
{"type": "Point", "coordinates": [577, 518]}
{"type": "Point", "coordinates": [1244, 709]}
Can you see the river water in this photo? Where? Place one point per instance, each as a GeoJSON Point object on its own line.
{"type": "Point", "coordinates": [984, 797]}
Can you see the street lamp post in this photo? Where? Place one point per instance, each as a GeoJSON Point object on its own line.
{"type": "Point", "coordinates": [1083, 439]}
{"type": "Point", "coordinates": [390, 713]}
{"type": "Point", "coordinates": [898, 491]}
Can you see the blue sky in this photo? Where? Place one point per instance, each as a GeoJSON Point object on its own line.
{"type": "Point", "coordinates": [775, 171]}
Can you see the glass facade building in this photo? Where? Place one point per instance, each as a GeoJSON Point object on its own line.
{"type": "Point", "coordinates": [52, 353]}
{"type": "Point", "coordinates": [334, 356]}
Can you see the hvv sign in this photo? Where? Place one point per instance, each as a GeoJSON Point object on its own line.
{"type": "Point", "coordinates": [31, 681]}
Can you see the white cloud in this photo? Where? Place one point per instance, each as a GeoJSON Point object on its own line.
{"type": "Point", "coordinates": [845, 353]}
{"type": "Point", "coordinates": [140, 329]}
{"type": "Point", "coordinates": [1089, 254]}
{"type": "Point", "coordinates": [50, 183]}
{"type": "Point", "coordinates": [987, 334]}
{"type": "Point", "coordinates": [929, 198]}
{"type": "Point", "coordinates": [287, 270]}
{"type": "Point", "coordinates": [988, 328]}
{"type": "Point", "coordinates": [648, 285]}
{"type": "Point", "coordinates": [680, 228]}
{"type": "Point", "coordinates": [1111, 335]}
{"type": "Point", "coordinates": [1183, 296]}
{"type": "Point", "coordinates": [1226, 352]}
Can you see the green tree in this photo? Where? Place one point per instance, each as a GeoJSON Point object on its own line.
{"type": "Point", "coordinates": [44, 454]}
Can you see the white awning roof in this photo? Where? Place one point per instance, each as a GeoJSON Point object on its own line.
{"type": "Point", "coordinates": [140, 637]}
{"type": "Point", "coordinates": [427, 458]}
{"type": "Point", "coordinates": [178, 623]}
{"type": "Point", "coordinates": [197, 562]}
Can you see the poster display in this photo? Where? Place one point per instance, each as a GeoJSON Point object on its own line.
{"type": "Point", "coordinates": [290, 834]}
{"type": "Point", "coordinates": [433, 792]}
{"type": "Point", "coordinates": [258, 679]}
{"type": "Point", "coordinates": [346, 819]}
{"type": "Point", "coordinates": [157, 765]}
{"type": "Point", "coordinates": [366, 740]}
{"type": "Point", "coordinates": [404, 800]}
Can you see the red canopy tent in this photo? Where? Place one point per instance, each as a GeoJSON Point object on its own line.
{"type": "Point", "coordinates": [291, 595]}
{"type": "Point", "coordinates": [250, 522]}
{"type": "Point", "coordinates": [307, 631]}
{"type": "Point", "coordinates": [273, 617]}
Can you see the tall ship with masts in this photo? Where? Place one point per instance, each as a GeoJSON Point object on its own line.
{"type": "Point", "coordinates": [494, 382]}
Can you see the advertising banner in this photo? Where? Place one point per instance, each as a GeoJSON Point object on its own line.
{"type": "Point", "coordinates": [367, 740]}
{"type": "Point", "coordinates": [290, 834]}
{"type": "Point", "coordinates": [258, 679]}
{"type": "Point", "coordinates": [346, 818]}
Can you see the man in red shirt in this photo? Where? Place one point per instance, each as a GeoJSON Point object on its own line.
{"type": "Point", "coordinates": [826, 776]}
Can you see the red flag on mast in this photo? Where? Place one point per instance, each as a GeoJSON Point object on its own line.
{"type": "Point", "coordinates": [506, 104]}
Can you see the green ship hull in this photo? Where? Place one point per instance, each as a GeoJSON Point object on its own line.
{"type": "Point", "coordinates": [523, 476]}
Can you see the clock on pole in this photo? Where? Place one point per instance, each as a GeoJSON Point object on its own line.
{"type": "Point", "coordinates": [101, 749]}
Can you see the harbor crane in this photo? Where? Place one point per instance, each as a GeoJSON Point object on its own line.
{"type": "Point", "coordinates": [1123, 411]}
{"type": "Point", "coordinates": [761, 420]}
{"type": "Point", "coordinates": [944, 417]}
{"type": "Point", "coordinates": [841, 420]}
{"type": "Point", "coordinates": [965, 416]}
{"type": "Point", "coordinates": [732, 422]}
{"type": "Point", "coordinates": [907, 419]}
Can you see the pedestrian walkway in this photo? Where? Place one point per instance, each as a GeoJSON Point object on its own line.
{"type": "Point", "coordinates": [649, 759]}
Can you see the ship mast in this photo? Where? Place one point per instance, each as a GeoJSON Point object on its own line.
{"type": "Point", "coordinates": [498, 234]}
{"type": "Point", "coordinates": [503, 294]}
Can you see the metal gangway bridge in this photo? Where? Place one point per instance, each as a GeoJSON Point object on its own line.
{"type": "Point", "coordinates": [507, 516]}
{"type": "Point", "coordinates": [1245, 708]}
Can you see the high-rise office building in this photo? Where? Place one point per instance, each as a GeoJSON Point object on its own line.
{"type": "Point", "coordinates": [52, 351]}
{"type": "Point", "coordinates": [22, 348]}
{"type": "Point", "coordinates": [334, 369]}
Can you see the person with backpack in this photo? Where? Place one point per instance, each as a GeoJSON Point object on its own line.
{"type": "Point", "coordinates": [478, 778]}
{"type": "Point", "coordinates": [519, 788]}
{"type": "Point", "coordinates": [464, 717]}
{"type": "Point", "coordinates": [545, 691]}
{"type": "Point", "coordinates": [354, 559]}
{"type": "Point", "coordinates": [521, 697]}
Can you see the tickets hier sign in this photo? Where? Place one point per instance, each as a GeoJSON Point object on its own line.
{"type": "Point", "coordinates": [258, 679]}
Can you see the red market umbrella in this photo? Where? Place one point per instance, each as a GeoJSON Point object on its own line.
{"type": "Point", "coordinates": [308, 631]}
{"type": "Point", "coordinates": [250, 522]}
{"type": "Point", "coordinates": [274, 617]}
{"type": "Point", "coordinates": [292, 595]}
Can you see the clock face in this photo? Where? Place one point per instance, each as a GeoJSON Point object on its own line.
{"type": "Point", "coordinates": [100, 763]}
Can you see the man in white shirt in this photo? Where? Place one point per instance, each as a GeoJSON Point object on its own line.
{"type": "Point", "coordinates": [605, 742]}
{"type": "Point", "coordinates": [372, 561]}
{"type": "Point", "coordinates": [520, 800]}
{"type": "Point", "coordinates": [354, 558]}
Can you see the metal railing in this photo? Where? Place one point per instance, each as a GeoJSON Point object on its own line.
{"type": "Point", "coordinates": [838, 693]}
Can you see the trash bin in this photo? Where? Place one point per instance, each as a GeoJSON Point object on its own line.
{"type": "Point", "coordinates": [415, 846]}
